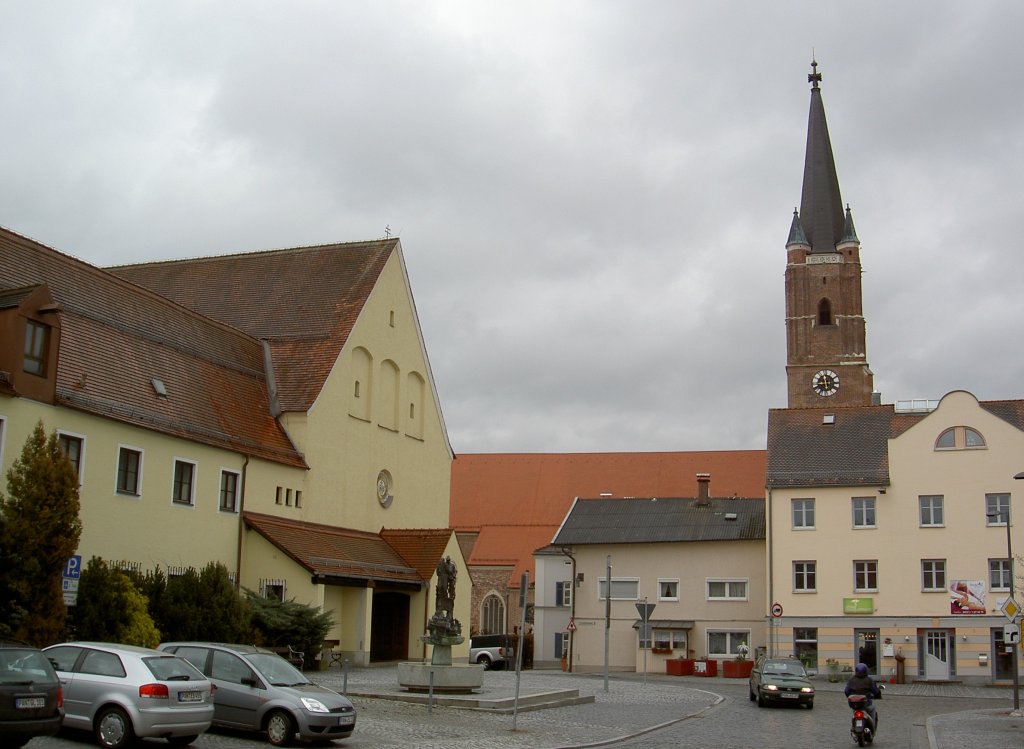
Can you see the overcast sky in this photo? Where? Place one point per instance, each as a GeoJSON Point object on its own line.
{"type": "Point", "coordinates": [593, 197]}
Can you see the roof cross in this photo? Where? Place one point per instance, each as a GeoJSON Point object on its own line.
{"type": "Point", "coordinates": [814, 76]}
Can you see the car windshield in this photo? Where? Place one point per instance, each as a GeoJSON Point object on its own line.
{"type": "Point", "coordinates": [25, 667]}
{"type": "Point", "coordinates": [276, 669]}
{"type": "Point", "coordinates": [783, 668]}
{"type": "Point", "coordinates": [172, 668]}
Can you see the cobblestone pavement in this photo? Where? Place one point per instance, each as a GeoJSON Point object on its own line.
{"type": "Point", "coordinates": [630, 707]}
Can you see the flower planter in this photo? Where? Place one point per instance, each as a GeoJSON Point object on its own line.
{"type": "Point", "coordinates": [705, 668]}
{"type": "Point", "coordinates": [737, 669]}
{"type": "Point", "coordinates": [679, 667]}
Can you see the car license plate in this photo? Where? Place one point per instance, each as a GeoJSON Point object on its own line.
{"type": "Point", "coordinates": [30, 702]}
{"type": "Point", "coordinates": [192, 696]}
{"type": "Point", "coordinates": [346, 720]}
{"type": "Point", "coordinates": [789, 696]}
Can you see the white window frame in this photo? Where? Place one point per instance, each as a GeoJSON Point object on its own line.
{"type": "Point", "coordinates": [192, 484]}
{"type": "Point", "coordinates": [866, 505]}
{"type": "Point", "coordinates": [810, 569]}
{"type": "Point", "coordinates": [994, 504]}
{"type": "Point", "coordinates": [931, 569]}
{"type": "Point", "coordinates": [728, 582]}
{"type": "Point", "coordinates": [81, 452]}
{"type": "Point", "coordinates": [672, 581]}
{"type": "Point", "coordinates": [565, 586]}
{"type": "Point", "coordinates": [1004, 569]}
{"type": "Point", "coordinates": [267, 584]}
{"type": "Point", "coordinates": [734, 639]}
{"type": "Point", "coordinates": [869, 571]}
{"type": "Point", "coordinates": [805, 503]}
{"type": "Point", "coordinates": [618, 583]}
{"type": "Point", "coordinates": [220, 490]}
{"type": "Point", "coordinates": [137, 494]}
{"type": "Point", "coordinates": [932, 504]}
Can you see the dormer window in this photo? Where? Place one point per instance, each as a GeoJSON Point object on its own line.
{"type": "Point", "coordinates": [36, 340]}
{"type": "Point", "coordinates": [824, 312]}
{"type": "Point", "coordinates": [960, 438]}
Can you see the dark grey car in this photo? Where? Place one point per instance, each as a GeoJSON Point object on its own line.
{"type": "Point", "coordinates": [259, 690]}
{"type": "Point", "coordinates": [31, 698]}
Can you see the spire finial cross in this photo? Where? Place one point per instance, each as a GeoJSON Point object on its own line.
{"type": "Point", "coordinates": [814, 77]}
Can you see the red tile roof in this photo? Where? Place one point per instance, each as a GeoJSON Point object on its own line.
{"type": "Point", "coordinates": [117, 338]}
{"type": "Point", "coordinates": [421, 548]}
{"type": "Point", "coordinates": [537, 488]}
{"type": "Point", "coordinates": [327, 551]}
{"type": "Point", "coordinates": [517, 501]}
{"type": "Point", "coordinates": [303, 301]}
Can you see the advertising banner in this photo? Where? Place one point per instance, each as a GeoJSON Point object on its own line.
{"type": "Point", "coordinates": [967, 597]}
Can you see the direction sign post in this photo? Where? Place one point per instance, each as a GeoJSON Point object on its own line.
{"type": "Point", "coordinates": [645, 609]}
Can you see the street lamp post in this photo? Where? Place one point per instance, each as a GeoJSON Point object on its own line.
{"type": "Point", "coordinates": [1009, 554]}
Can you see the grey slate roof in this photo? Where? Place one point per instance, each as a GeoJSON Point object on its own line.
{"type": "Point", "coordinates": [852, 451]}
{"type": "Point", "coordinates": [821, 205]}
{"type": "Point", "coordinates": [661, 520]}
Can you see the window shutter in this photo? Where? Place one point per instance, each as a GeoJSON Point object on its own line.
{"type": "Point", "coordinates": [558, 594]}
{"type": "Point", "coordinates": [558, 644]}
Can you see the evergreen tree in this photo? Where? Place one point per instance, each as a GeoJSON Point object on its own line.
{"type": "Point", "coordinates": [279, 623]}
{"type": "Point", "coordinates": [201, 605]}
{"type": "Point", "coordinates": [40, 531]}
{"type": "Point", "coordinates": [111, 608]}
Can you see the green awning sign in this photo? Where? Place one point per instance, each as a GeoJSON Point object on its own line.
{"type": "Point", "coordinates": [858, 605]}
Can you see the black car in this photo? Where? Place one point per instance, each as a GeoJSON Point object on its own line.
{"type": "Point", "coordinates": [780, 681]}
{"type": "Point", "coordinates": [31, 698]}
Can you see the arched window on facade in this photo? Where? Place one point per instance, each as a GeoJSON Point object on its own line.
{"type": "Point", "coordinates": [825, 312]}
{"type": "Point", "coordinates": [387, 390]}
{"type": "Point", "coordinates": [959, 438]}
{"type": "Point", "coordinates": [362, 368]}
{"type": "Point", "coordinates": [492, 615]}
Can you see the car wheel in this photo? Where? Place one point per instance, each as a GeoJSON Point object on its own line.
{"type": "Point", "coordinates": [280, 728]}
{"type": "Point", "coordinates": [750, 693]}
{"type": "Point", "coordinates": [810, 705]}
{"type": "Point", "coordinates": [181, 740]}
{"type": "Point", "coordinates": [484, 661]}
{"type": "Point", "coordinates": [113, 728]}
{"type": "Point", "coordinates": [761, 702]}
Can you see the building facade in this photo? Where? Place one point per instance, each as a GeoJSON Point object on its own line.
{"type": "Point", "coordinates": [889, 527]}
{"type": "Point", "coordinates": [271, 411]}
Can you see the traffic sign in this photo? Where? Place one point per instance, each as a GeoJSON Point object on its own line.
{"type": "Point", "coordinates": [1011, 634]}
{"type": "Point", "coordinates": [645, 610]}
{"type": "Point", "coordinates": [1010, 609]}
{"type": "Point", "coordinates": [776, 610]}
{"type": "Point", "coordinates": [73, 567]}
{"type": "Point", "coordinates": [572, 625]}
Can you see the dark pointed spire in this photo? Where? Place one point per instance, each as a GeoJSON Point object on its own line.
{"type": "Point", "coordinates": [796, 231]}
{"type": "Point", "coordinates": [821, 205]}
{"type": "Point", "coordinates": [849, 232]}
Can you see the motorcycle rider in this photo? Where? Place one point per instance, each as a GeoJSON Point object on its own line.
{"type": "Point", "coordinates": [861, 683]}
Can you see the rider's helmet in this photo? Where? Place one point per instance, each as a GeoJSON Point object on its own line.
{"type": "Point", "coordinates": [861, 670]}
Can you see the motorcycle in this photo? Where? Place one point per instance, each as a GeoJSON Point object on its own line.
{"type": "Point", "coordinates": [862, 727]}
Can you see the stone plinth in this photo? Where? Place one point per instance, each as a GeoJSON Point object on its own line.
{"type": "Point", "coordinates": [460, 678]}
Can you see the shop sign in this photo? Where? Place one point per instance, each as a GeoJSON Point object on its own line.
{"type": "Point", "coordinates": [858, 605]}
{"type": "Point", "coordinates": [967, 597]}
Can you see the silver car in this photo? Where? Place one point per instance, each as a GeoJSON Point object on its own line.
{"type": "Point", "coordinates": [259, 690]}
{"type": "Point", "coordinates": [120, 692]}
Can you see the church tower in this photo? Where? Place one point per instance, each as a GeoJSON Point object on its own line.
{"type": "Point", "coordinates": [826, 358]}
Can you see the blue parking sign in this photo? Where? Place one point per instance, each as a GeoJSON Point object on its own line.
{"type": "Point", "coordinates": [73, 567]}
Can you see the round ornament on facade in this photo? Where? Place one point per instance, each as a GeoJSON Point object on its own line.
{"type": "Point", "coordinates": [385, 486]}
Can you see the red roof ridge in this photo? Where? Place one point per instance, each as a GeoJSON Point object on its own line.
{"type": "Point", "coordinates": [261, 518]}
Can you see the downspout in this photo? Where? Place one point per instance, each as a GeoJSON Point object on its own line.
{"type": "Point", "coordinates": [426, 618]}
{"type": "Point", "coordinates": [241, 527]}
{"type": "Point", "coordinates": [572, 604]}
{"type": "Point", "coordinates": [771, 575]}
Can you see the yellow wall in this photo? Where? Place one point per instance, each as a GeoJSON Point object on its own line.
{"type": "Point", "coordinates": [346, 451]}
{"type": "Point", "coordinates": [692, 564]}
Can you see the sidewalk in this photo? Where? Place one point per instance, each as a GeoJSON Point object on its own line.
{"type": "Point", "coordinates": [629, 708]}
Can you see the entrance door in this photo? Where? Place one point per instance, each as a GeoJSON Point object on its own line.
{"type": "Point", "coordinates": [389, 627]}
{"type": "Point", "coordinates": [867, 648]}
{"type": "Point", "coordinates": [1002, 658]}
{"type": "Point", "coordinates": [936, 658]}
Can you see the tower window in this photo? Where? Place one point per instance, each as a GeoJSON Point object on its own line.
{"type": "Point", "coordinates": [824, 312]}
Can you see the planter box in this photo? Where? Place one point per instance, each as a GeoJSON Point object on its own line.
{"type": "Point", "coordinates": [705, 668]}
{"type": "Point", "coordinates": [679, 667]}
{"type": "Point", "coordinates": [737, 669]}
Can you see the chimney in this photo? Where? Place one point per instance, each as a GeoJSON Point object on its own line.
{"type": "Point", "coordinates": [703, 488]}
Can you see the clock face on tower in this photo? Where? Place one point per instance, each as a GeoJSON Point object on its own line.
{"type": "Point", "coordinates": [825, 382]}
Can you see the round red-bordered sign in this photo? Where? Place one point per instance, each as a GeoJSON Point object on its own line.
{"type": "Point", "coordinates": [776, 610]}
